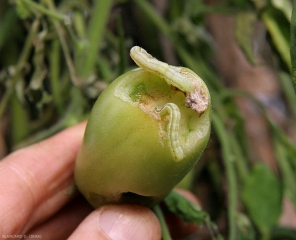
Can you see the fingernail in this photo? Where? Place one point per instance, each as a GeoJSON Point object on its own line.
{"type": "Point", "coordinates": [119, 223]}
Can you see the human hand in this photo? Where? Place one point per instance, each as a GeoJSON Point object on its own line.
{"type": "Point", "coordinates": [35, 182]}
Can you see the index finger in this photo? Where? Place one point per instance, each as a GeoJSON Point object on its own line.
{"type": "Point", "coordinates": [34, 180]}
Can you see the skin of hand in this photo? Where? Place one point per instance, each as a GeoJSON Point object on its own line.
{"type": "Point", "coordinates": [35, 182]}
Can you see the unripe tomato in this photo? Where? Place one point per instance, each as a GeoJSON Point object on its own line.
{"type": "Point", "coordinates": [142, 137]}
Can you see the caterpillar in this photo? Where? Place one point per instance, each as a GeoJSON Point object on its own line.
{"type": "Point", "coordinates": [173, 129]}
{"type": "Point", "coordinates": [172, 75]}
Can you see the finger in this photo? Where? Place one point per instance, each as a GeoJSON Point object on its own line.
{"type": "Point", "coordinates": [35, 180]}
{"type": "Point", "coordinates": [64, 222]}
{"type": "Point", "coordinates": [119, 222]}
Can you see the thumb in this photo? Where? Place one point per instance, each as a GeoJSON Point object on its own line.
{"type": "Point", "coordinates": [119, 222]}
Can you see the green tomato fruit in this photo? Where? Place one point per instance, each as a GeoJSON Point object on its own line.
{"type": "Point", "coordinates": [145, 132]}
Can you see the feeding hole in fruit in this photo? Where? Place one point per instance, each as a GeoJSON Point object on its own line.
{"type": "Point", "coordinates": [197, 97]}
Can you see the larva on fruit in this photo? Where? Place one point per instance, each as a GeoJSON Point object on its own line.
{"type": "Point", "coordinates": [173, 130]}
{"type": "Point", "coordinates": [172, 75]}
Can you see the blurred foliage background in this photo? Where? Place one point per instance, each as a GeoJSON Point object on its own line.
{"type": "Point", "coordinates": [56, 57]}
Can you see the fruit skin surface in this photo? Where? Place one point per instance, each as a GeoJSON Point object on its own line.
{"type": "Point", "coordinates": [125, 155]}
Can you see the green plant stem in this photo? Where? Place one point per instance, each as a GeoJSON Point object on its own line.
{"type": "Point", "coordinates": [288, 90]}
{"type": "Point", "coordinates": [289, 178]}
{"type": "Point", "coordinates": [121, 47]}
{"type": "Point", "coordinates": [281, 136]}
{"type": "Point", "coordinates": [293, 45]}
{"type": "Point", "coordinates": [79, 23]}
{"type": "Point", "coordinates": [54, 59]}
{"type": "Point", "coordinates": [230, 173]}
{"type": "Point", "coordinates": [241, 161]}
{"type": "Point", "coordinates": [45, 11]}
{"type": "Point", "coordinates": [20, 65]}
{"type": "Point", "coordinates": [281, 42]}
{"type": "Point", "coordinates": [94, 35]}
{"type": "Point", "coordinates": [264, 234]}
{"type": "Point", "coordinates": [66, 50]}
{"type": "Point", "coordinates": [19, 121]}
{"type": "Point", "coordinates": [164, 229]}
{"type": "Point", "coordinates": [8, 21]}
{"type": "Point", "coordinates": [156, 18]}
{"type": "Point", "coordinates": [105, 70]}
